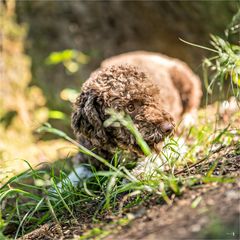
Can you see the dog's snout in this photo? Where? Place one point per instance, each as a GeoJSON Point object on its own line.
{"type": "Point", "coordinates": [167, 128]}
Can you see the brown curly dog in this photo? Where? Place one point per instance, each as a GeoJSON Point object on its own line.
{"type": "Point", "coordinates": [153, 89]}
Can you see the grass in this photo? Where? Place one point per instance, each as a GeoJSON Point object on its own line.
{"type": "Point", "coordinates": [33, 197]}
{"type": "Point", "coordinates": [223, 68]}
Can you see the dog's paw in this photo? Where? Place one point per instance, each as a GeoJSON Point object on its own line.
{"type": "Point", "coordinates": [189, 119]}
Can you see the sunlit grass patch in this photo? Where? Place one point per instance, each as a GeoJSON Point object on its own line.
{"type": "Point", "coordinates": [223, 66]}
{"type": "Point", "coordinates": [34, 197]}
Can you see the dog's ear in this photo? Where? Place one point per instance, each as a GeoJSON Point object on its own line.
{"type": "Point", "coordinates": [88, 118]}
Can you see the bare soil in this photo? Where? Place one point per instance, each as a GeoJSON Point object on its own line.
{"type": "Point", "coordinates": [215, 216]}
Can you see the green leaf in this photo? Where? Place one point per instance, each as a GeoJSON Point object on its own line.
{"type": "Point", "coordinates": [54, 114]}
{"type": "Point", "coordinates": [196, 202]}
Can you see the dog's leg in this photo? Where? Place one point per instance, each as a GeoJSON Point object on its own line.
{"type": "Point", "coordinates": [188, 85]}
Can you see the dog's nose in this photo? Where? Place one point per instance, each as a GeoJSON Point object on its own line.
{"type": "Point", "coordinates": [167, 128]}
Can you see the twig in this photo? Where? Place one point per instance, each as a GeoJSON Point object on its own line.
{"type": "Point", "coordinates": [200, 161]}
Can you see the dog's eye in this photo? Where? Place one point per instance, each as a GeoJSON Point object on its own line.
{"type": "Point", "coordinates": [130, 108]}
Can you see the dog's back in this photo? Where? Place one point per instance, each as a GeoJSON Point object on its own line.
{"type": "Point", "coordinates": [180, 86]}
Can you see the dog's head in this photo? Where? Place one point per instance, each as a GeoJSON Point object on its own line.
{"type": "Point", "coordinates": [122, 88]}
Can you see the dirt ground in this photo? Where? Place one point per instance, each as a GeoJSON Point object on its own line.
{"type": "Point", "coordinates": [208, 211]}
{"type": "Point", "coordinates": [216, 217]}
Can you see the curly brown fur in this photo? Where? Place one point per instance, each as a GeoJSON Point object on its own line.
{"type": "Point", "coordinates": [149, 94]}
{"type": "Point", "coordinates": [187, 84]}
